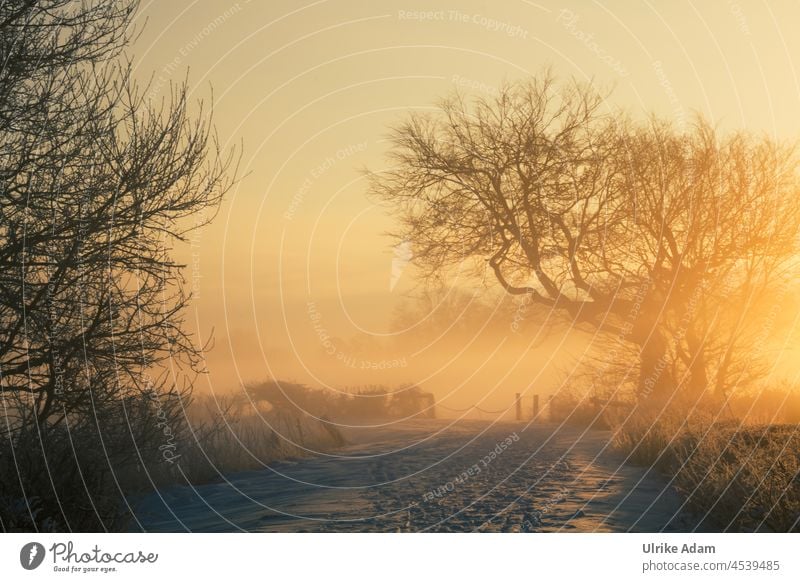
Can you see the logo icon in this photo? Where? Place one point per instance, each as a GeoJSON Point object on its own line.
{"type": "Point", "coordinates": [31, 555]}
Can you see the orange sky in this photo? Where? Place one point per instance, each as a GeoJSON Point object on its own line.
{"type": "Point", "coordinates": [310, 88]}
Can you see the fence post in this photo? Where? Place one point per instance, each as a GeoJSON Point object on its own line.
{"type": "Point", "coordinates": [535, 406]}
{"type": "Point", "coordinates": [519, 406]}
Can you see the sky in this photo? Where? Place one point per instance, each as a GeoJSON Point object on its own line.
{"type": "Point", "coordinates": [298, 260]}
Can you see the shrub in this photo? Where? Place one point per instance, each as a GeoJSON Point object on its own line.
{"type": "Point", "coordinates": [79, 475]}
{"type": "Point", "coordinates": [739, 478]}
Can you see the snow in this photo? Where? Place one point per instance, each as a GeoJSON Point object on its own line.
{"type": "Point", "coordinates": [433, 475]}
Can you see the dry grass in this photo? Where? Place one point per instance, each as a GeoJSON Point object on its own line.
{"type": "Point", "coordinates": [221, 439]}
{"type": "Point", "coordinates": [78, 476]}
{"type": "Point", "coordinates": [738, 478]}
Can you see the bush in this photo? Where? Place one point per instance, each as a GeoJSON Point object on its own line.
{"type": "Point", "coordinates": [738, 478]}
{"type": "Point", "coordinates": [79, 475]}
{"type": "Point", "coordinates": [224, 439]}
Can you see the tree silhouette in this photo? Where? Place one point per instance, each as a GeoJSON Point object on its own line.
{"type": "Point", "coordinates": [98, 183]}
{"type": "Point", "coordinates": [663, 240]}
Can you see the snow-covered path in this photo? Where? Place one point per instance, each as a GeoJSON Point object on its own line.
{"type": "Point", "coordinates": [433, 475]}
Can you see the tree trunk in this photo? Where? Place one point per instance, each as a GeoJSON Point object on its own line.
{"type": "Point", "coordinates": [655, 380]}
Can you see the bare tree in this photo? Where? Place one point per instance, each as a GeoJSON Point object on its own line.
{"type": "Point", "coordinates": [97, 184]}
{"type": "Point", "coordinates": [661, 239]}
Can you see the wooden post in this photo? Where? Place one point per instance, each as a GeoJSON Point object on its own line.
{"type": "Point", "coordinates": [535, 406]}
{"type": "Point", "coordinates": [519, 406]}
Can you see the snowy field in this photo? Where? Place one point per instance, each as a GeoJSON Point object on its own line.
{"type": "Point", "coordinates": [433, 475]}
